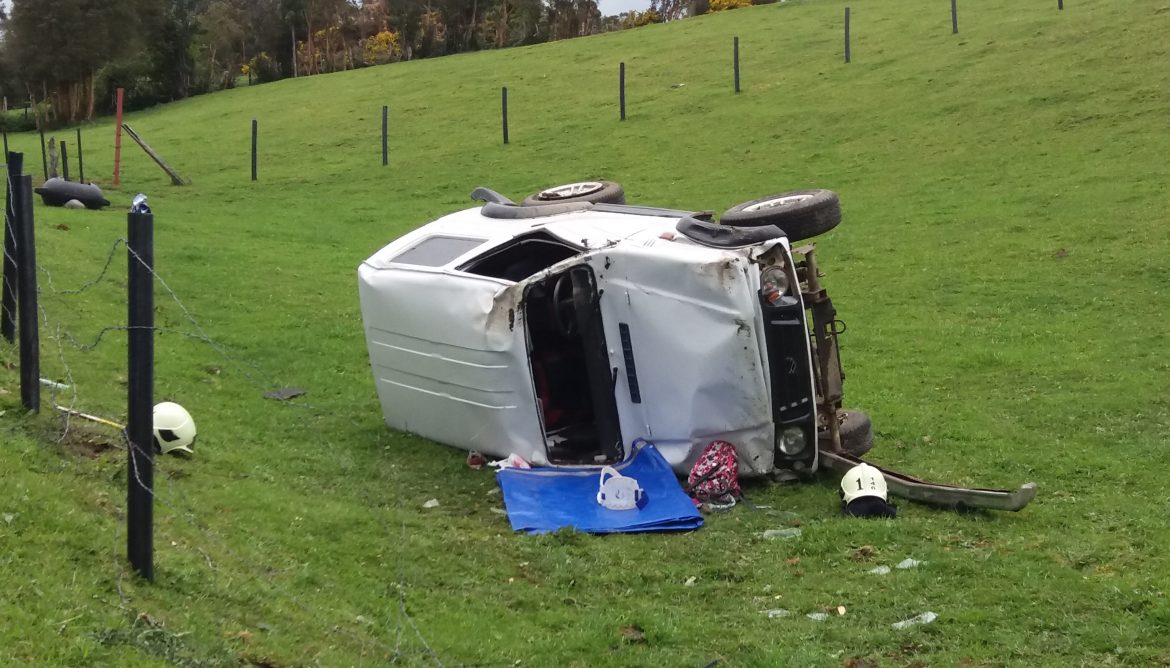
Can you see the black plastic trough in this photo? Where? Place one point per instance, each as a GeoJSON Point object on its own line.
{"type": "Point", "coordinates": [58, 191]}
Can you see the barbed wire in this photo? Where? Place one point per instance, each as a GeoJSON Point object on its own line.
{"type": "Point", "coordinates": [88, 284]}
{"type": "Point", "coordinates": [10, 214]}
{"type": "Point", "coordinates": [182, 507]}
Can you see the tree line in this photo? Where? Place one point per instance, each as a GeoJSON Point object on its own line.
{"type": "Point", "coordinates": [65, 58]}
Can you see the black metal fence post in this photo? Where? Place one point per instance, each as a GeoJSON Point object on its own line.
{"type": "Point", "coordinates": [26, 299]}
{"type": "Point", "coordinates": [80, 164]}
{"type": "Point", "coordinates": [140, 395]}
{"type": "Point", "coordinates": [385, 146]}
{"type": "Point", "coordinates": [254, 130]}
{"type": "Point", "coordinates": [622, 89]}
{"type": "Point", "coordinates": [847, 35]}
{"type": "Point", "coordinates": [1060, 4]}
{"type": "Point", "coordinates": [15, 164]}
{"type": "Point", "coordinates": [504, 109]}
{"type": "Point", "coordinates": [64, 161]}
{"type": "Point", "coordinates": [954, 17]}
{"type": "Point", "coordinates": [735, 61]}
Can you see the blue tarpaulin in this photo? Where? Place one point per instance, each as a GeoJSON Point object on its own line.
{"type": "Point", "coordinates": [546, 499]}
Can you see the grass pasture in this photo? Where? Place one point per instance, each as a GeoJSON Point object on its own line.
{"type": "Point", "coordinates": [1002, 269]}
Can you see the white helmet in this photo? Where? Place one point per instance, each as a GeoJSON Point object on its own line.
{"type": "Point", "coordinates": [863, 480]}
{"type": "Point", "coordinates": [173, 428]}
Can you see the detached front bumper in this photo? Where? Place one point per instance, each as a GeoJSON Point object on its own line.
{"type": "Point", "coordinates": [909, 487]}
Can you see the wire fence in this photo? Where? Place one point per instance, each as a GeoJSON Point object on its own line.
{"type": "Point", "coordinates": [396, 637]}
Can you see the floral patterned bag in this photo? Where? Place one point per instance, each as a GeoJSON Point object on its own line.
{"type": "Point", "coordinates": [714, 479]}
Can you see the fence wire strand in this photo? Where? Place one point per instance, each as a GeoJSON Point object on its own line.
{"type": "Point", "coordinates": [64, 397]}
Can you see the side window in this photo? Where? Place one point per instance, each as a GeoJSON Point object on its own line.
{"type": "Point", "coordinates": [437, 251]}
{"type": "Point", "coordinates": [521, 257]}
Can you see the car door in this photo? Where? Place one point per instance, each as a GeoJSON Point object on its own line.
{"type": "Point", "coordinates": [685, 351]}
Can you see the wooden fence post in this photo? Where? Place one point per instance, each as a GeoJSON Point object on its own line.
{"type": "Point", "coordinates": [80, 163]}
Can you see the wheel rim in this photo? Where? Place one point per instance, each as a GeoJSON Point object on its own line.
{"type": "Point", "coordinates": [777, 202]}
{"type": "Point", "coordinates": [571, 190]}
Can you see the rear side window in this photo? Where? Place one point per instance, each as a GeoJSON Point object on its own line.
{"type": "Point", "coordinates": [437, 251]}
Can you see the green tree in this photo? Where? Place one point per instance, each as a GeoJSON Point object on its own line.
{"type": "Point", "coordinates": [59, 45]}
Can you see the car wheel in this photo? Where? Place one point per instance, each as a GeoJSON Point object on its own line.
{"type": "Point", "coordinates": [856, 432]}
{"type": "Point", "coordinates": [596, 192]}
{"type": "Point", "coordinates": [800, 213]}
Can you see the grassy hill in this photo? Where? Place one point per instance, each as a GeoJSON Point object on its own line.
{"type": "Point", "coordinates": [1001, 268]}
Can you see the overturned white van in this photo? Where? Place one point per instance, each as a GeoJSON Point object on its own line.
{"type": "Point", "coordinates": [563, 331]}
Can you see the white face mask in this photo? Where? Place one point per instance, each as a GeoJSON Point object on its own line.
{"type": "Point", "coordinates": [618, 492]}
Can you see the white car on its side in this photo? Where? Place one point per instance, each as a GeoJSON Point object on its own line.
{"type": "Point", "coordinates": [565, 328]}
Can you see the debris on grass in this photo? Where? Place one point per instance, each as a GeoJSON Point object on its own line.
{"type": "Point", "coordinates": [690, 582]}
{"type": "Point", "coordinates": [285, 393]}
{"type": "Point", "coordinates": [818, 616]}
{"type": "Point", "coordinates": [433, 503]}
{"type": "Point", "coordinates": [633, 634]}
{"type": "Point", "coordinates": [777, 613]}
{"type": "Point", "coordinates": [925, 618]}
{"type": "Point", "coordinates": [880, 570]}
{"type": "Point", "coordinates": [791, 532]}
{"type": "Point", "coordinates": [498, 511]}
{"type": "Point", "coordinates": [513, 461]}
{"type": "Point", "coordinates": [863, 553]}
{"type": "Point", "coordinates": [908, 563]}
{"type": "Point", "coordinates": [475, 460]}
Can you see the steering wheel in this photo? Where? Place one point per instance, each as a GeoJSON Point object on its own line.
{"type": "Point", "coordinates": [564, 312]}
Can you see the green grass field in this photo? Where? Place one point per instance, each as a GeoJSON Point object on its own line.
{"type": "Point", "coordinates": [1002, 269]}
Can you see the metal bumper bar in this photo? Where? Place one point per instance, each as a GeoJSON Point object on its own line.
{"type": "Point", "coordinates": [951, 496]}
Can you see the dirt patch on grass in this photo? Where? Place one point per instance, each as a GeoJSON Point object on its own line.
{"type": "Point", "coordinates": [87, 442]}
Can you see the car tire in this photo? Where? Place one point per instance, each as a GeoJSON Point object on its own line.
{"type": "Point", "coordinates": [856, 432]}
{"type": "Point", "coordinates": [800, 213]}
{"type": "Point", "coordinates": [595, 192]}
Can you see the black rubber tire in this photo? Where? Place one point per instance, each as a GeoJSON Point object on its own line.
{"type": "Point", "coordinates": [807, 214]}
{"type": "Point", "coordinates": [608, 193]}
{"type": "Point", "coordinates": [856, 431]}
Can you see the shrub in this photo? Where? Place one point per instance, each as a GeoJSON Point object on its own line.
{"type": "Point", "coordinates": [261, 68]}
{"type": "Point", "coordinates": [381, 48]}
{"type": "Point", "coordinates": [18, 120]}
{"type": "Point", "coordinates": [720, 5]}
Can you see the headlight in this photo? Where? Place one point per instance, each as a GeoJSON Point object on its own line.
{"type": "Point", "coordinates": [774, 284]}
{"type": "Point", "coordinates": [791, 441]}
